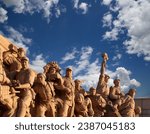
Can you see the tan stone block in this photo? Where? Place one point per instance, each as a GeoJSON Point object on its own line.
{"type": "Point", "coordinates": [146, 103]}
{"type": "Point", "coordinates": [138, 102]}
{"type": "Point", "coordinates": [146, 112]}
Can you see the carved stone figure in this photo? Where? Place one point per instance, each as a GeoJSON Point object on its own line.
{"type": "Point", "coordinates": [112, 110]}
{"type": "Point", "coordinates": [68, 95]}
{"type": "Point", "coordinates": [128, 106]}
{"type": "Point", "coordinates": [49, 94]}
{"type": "Point", "coordinates": [78, 88]}
{"type": "Point", "coordinates": [137, 111]}
{"type": "Point", "coordinates": [83, 107]}
{"type": "Point", "coordinates": [23, 82]}
{"type": "Point", "coordinates": [8, 99]}
{"type": "Point", "coordinates": [21, 53]}
{"type": "Point", "coordinates": [102, 87]}
{"type": "Point", "coordinates": [12, 58]}
{"type": "Point", "coordinates": [45, 91]}
{"type": "Point", "coordinates": [115, 92]}
{"type": "Point", "coordinates": [98, 103]}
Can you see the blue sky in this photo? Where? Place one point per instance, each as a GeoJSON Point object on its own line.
{"type": "Point", "coordinates": [75, 33]}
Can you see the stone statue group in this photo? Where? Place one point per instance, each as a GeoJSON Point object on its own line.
{"type": "Point", "coordinates": [24, 93]}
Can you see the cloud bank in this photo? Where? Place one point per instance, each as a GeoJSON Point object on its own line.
{"type": "Point", "coordinates": [132, 16]}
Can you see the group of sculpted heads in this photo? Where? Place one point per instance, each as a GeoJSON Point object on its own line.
{"type": "Point", "coordinates": [24, 93]}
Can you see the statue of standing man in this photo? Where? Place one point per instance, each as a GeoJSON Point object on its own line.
{"type": "Point", "coordinates": [24, 80]}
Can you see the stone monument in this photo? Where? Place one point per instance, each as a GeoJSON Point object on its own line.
{"type": "Point", "coordinates": [24, 93]}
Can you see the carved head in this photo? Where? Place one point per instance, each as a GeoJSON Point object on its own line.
{"type": "Point", "coordinates": [132, 92]}
{"type": "Point", "coordinates": [24, 62]}
{"type": "Point", "coordinates": [78, 83]}
{"type": "Point", "coordinates": [11, 47]}
{"type": "Point", "coordinates": [21, 52]}
{"type": "Point", "coordinates": [117, 82]}
{"type": "Point", "coordinates": [46, 68]}
{"type": "Point", "coordinates": [92, 91]}
{"type": "Point", "coordinates": [54, 64]}
{"type": "Point", "coordinates": [79, 98]}
{"type": "Point", "coordinates": [105, 56]}
{"type": "Point", "coordinates": [106, 78]}
{"type": "Point", "coordinates": [41, 78]}
{"type": "Point", "coordinates": [69, 72]}
{"type": "Point", "coordinates": [52, 70]}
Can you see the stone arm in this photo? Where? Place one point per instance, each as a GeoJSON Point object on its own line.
{"type": "Point", "coordinates": [102, 74]}
{"type": "Point", "coordinates": [123, 106]}
{"type": "Point", "coordinates": [6, 103]}
{"type": "Point", "coordinates": [79, 113]}
{"type": "Point", "coordinates": [35, 88]}
{"type": "Point", "coordinates": [103, 67]}
{"type": "Point", "coordinates": [89, 107]}
{"type": "Point", "coordinates": [23, 86]}
{"type": "Point", "coordinates": [62, 88]}
{"type": "Point", "coordinates": [126, 103]}
{"type": "Point", "coordinates": [63, 85]}
{"type": "Point", "coordinates": [6, 80]}
{"type": "Point", "coordinates": [59, 77]}
{"type": "Point", "coordinates": [102, 102]}
{"type": "Point", "coordinates": [28, 82]}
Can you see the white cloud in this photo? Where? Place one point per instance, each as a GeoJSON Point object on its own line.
{"type": "Point", "coordinates": [76, 3]}
{"type": "Point", "coordinates": [86, 52]}
{"type": "Point", "coordinates": [132, 16]}
{"type": "Point", "coordinates": [91, 79]}
{"type": "Point", "coordinates": [83, 61]}
{"type": "Point", "coordinates": [90, 75]}
{"type": "Point", "coordinates": [107, 19]}
{"type": "Point", "coordinates": [32, 6]}
{"type": "Point", "coordinates": [135, 83]}
{"type": "Point", "coordinates": [106, 2]}
{"type": "Point", "coordinates": [19, 5]}
{"type": "Point", "coordinates": [69, 56]}
{"type": "Point", "coordinates": [3, 15]}
{"type": "Point", "coordinates": [81, 6]}
{"type": "Point", "coordinates": [47, 8]}
{"type": "Point", "coordinates": [89, 72]}
{"type": "Point", "coordinates": [84, 7]}
{"type": "Point", "coordinates": [17, 38]}
{"type": "Point", "coordinates": [112, 35]}
{"type": "Point", "coordinates": [124, 75]}
{"type": "Point", "coordinates": [38, 63]}
{"type": "Point", "coordinates": [117, 57]}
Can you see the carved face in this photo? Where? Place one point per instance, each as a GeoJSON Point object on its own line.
{"type": "Point", "coordinates": [25, 64]}
{"type": "Point", "coordinates": [93, 92]}
{"type": "Point", "coordinates": [21, 54]}
{"type": "Point", "coordinates": [69, 73]}
{"type": "Point", "coordinates": [52, 70]}
{"type": "Point", "coordinates": [132, 93]}
{"type": "Point", "coordinates": [105, 56]}
{"type": "Point", "coordinates": [11, 47]}
{"type": "Point", "coordinates": [40, 78]}
{"type": "Point", "coordinates": [79, 98]}
{"type": "Point", "coordinates": [45, 69]}
{"type": "Point", "coordinates": [117, 82]}
{"type": "Point", "coordinates": [77, 84]}
{"type": "Point", "coordinates": [106, 78]}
